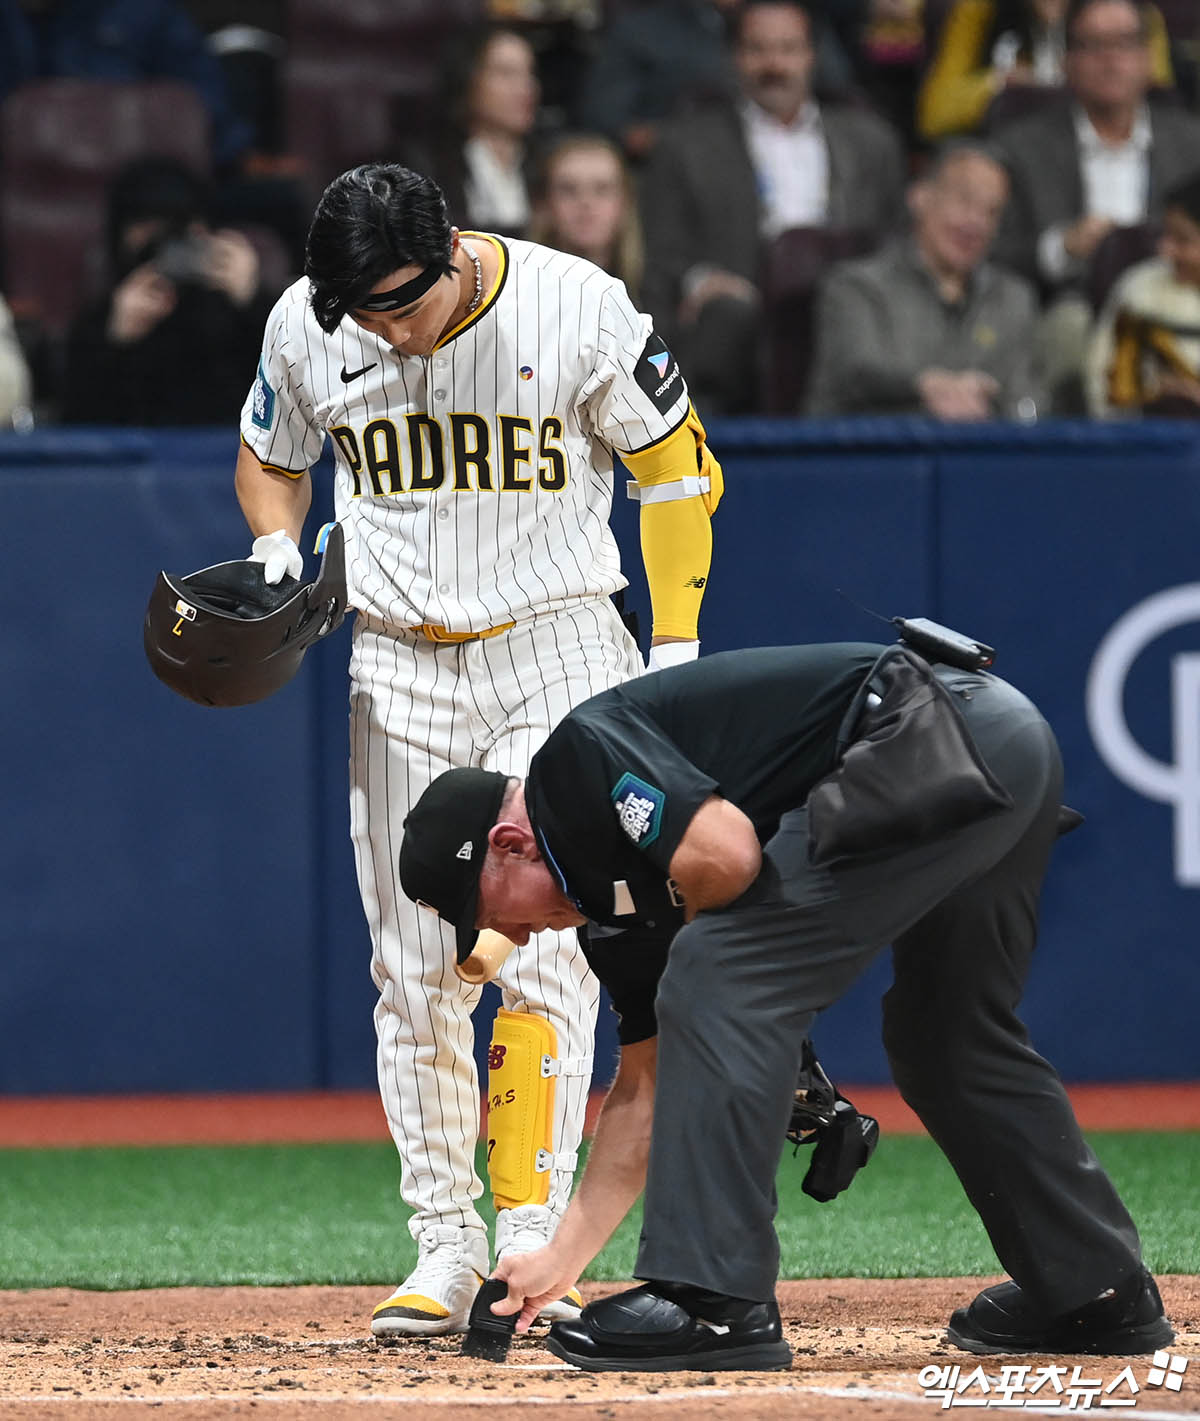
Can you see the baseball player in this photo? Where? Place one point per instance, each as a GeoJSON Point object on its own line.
{"type": "Point", "coordinates": [785, 813]}
{"type": "Point", "coordinates": [475, 392]}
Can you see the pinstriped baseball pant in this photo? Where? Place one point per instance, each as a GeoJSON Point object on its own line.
{"type": "Point", "coordinates": [417, 709]}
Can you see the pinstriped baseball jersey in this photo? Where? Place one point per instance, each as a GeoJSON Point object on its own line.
{"type": "Point", "coordinates": [474, 484]}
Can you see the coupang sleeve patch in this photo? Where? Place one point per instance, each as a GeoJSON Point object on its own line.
{"type": "Point", "coordinates": [657, 375]}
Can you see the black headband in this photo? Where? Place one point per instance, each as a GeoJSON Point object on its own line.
{"type": "Point", "coordinates": [404, 295]}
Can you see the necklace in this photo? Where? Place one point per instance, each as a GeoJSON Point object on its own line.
{"type": "Point", "coordinates": [475, 299]}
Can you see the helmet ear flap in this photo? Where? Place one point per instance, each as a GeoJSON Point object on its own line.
{"type": "Point", "coordinates": [224, 636]}
{"type": "Point", "coordinates": [327, 592]}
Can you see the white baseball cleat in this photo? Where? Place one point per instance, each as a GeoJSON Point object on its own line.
{"type": "Point", "coordinates": [436, 1297]}
{"type": "Point", "coordinates": [521, 1231]}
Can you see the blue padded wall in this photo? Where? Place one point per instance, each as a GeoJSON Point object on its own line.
{"type": "Point", "coordinates": [181, 912]}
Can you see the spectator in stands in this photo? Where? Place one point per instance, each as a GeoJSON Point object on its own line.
{"type": "Point", "coordinates": [659, 56]}
{"type": "Point", "coordinates": [650, 60]}
{"type": "Point", "coordinates": [178, 334]}
{"type": "Point", "coordinates": [118, 39]}
{"type": "Point", "coordinates": [724, 181]}
{"type": "Point", "coordinates": [483, 161]}
{"type": "Point", "coordinates": [884, 41]}
{"type": "Point", "coordinates": [586, 206]}
{"type": "Point", "coordinates": [928, 325]}
{"type": "Point", "coordinates": [563, 34]}
{"type": "Point", "coordinates": [16, 384]}
{"type": "Point", "coordinates": [1079, 170]}
{"type": "Point", "coordinates": [1144, 356]}
{"type": "Point", "coordinates": [988, 46]}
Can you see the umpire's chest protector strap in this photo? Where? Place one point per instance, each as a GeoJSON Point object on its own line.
{"type": "Point", "coordinates": [908, 771]}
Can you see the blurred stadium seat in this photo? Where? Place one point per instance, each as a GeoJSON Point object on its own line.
{"type": "Point", "coordinates": [360, 76]}
{"type": "Point", "coordinates": [1118, 251]}
{"type": "Point", "coordinates": [794, 264]}
{"type": "Point", "coordinates": [62, 140]}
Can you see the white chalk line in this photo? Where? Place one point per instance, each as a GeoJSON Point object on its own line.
{"type": "Point", "coordinates": [466, 1400]}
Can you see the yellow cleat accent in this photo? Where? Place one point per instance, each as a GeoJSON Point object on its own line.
{"type": "Point", "coordinates": [564, 1310]}
{"type": "Point", "coordinates": [411, 1305]}
{"type": "Point", "coordinates": [416, 1315]}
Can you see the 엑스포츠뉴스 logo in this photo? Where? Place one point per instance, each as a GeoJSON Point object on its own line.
{"type": "Point", "coordinates": [639, 809]}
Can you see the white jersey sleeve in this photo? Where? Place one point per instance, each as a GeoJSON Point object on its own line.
{"type": "Point", "coordinates": [636, 395]}
{"type": "Point", "coordinates": [279, 424]}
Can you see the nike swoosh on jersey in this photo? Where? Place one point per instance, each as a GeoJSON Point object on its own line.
{"type": "Point", "coordinates": [348, 375]}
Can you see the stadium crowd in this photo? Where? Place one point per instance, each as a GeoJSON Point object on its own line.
{"type": "Point", "coordinates": [971, 209]}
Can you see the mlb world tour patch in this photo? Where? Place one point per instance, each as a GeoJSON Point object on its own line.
{"type": "Point", "coordinates": [263, 401]}
{"type": "Point", "coordinates": [639, 809]}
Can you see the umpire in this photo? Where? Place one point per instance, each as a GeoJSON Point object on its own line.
{"type": "Point", "coordinates": [779, 816]}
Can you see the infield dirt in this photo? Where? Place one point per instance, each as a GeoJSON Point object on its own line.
{"type": "Point", "coordinates": [203, 1354]}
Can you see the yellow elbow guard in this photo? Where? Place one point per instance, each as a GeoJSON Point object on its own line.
{"type": "Point", "coordinates": [522, 1066]}
{"type": "Point", "coordinates": [680, 466]}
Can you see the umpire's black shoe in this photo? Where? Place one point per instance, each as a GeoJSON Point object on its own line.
{"type": "Point", "coordinates": [1123, 1322]}
{"type": "Point", "coordinates": [671, 1327]}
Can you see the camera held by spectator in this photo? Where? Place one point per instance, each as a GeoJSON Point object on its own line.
{"type": "Point", "coordinates": [183, 297]}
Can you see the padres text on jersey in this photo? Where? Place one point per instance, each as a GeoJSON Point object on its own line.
{"type": "Point", "coordinates": [481, 476]}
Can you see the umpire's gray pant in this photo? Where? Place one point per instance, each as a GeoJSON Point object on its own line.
{"type": "Point", "coordinates": [743, 984]}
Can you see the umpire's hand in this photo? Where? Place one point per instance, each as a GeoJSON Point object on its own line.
{"type": "Point", "coordinates": [534, 1279]}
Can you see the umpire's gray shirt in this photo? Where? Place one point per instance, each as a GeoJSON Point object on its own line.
{"type": "Point", "coordinates": [881, 321]}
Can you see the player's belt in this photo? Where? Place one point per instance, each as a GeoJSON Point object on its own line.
{"type": "Point", "coordinates": [432, 632]}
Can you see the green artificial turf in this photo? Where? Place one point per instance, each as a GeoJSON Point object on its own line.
{"type": "Point", "coordinates": [274, 1214]}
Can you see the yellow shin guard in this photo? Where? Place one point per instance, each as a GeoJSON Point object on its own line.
{"type": "Point", "coordinates": [522, 1066]}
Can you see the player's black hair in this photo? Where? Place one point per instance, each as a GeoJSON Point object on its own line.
{"type": "Point", "coordinates": [1076, 8]}
{"type": "Point", "coordinates": [1184, 196]}
{"type": "Point", "coordinates": [370, 222]}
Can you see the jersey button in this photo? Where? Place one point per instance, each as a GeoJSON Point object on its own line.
{"type": "Point", "coordinates": [443, 514]}
{"type": "Point", "coordinates": [439, 394]}
{"type": "Point", "coordinates": [444, 588]}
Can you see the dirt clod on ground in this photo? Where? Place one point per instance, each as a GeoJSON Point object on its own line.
{"type": "Point", "coordinates": [206, 1354]}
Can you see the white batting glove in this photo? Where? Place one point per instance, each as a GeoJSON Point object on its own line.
{"type": "Point", "coordinates": [672, 653]}
{"type": "Point", "coordinates": [278, 555]}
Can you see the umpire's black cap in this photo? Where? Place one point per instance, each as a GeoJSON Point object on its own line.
{"type": "Point", "coordinates": [445, 844]}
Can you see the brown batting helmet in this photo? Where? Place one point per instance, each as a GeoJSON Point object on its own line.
{"type": "Point", "coordinates": [224, 636]}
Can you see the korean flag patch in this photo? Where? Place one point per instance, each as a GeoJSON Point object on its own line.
{"type": "Point", "coordinates": [658, 376]}
{"type": "Point", "coordinates": [639, 809]}
{"type": "Point", "coordinates": [262, 401]}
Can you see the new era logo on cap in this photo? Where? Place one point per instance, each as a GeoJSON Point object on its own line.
{"type": "Point", "coordinates": [438, 862]}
